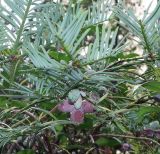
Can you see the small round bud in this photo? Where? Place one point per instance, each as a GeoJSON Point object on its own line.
{"type": "Point", "coordinates": [126, 147]}
{"type": "Point", "coordinates": [157, 98]}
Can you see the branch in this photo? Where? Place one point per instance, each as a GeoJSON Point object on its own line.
{"type": "Point", "coordinates": [127, 136]}
{"type": "Point", "coordinates": [22, 25]}
{"type": "Point", "coordinates": [145, 37]}
{"type": "Point", "coordinates": [129, 64]}
{"type": "Point", "coordinates": [139, 101]}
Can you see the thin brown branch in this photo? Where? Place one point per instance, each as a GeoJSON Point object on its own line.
{"type": "Point", "coordinates": [127, 136]}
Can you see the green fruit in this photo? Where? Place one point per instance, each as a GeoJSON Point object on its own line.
{"type": "Point", "coordinates": [78, 103]}
{"type": "Point", "coordinates": [74, 95]}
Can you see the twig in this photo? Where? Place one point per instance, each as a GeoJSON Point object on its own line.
{"type": "Point", "coordinates": [145, 37]}
{"type": "Point", "coordinates": [43, 118]}
{"type": "Point", "coordinates": [91, 149]}
{"type": "Point", "coordinates": [95, 145]}
{"type": "Point", "coordinates": [139, 101]}
{"type": "Point", "coordinates": [30, 105]}
{"type": "Point", "coordinates": [127, 136]}
{"type": "Point", "coordinates": [59, 147]}
{"type": "Point", "coordinates": [125, 60]}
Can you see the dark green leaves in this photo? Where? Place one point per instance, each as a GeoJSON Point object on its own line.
{"type": "Point", "coordinates": [104, 141]}
{"type": "Point", "coordinates": [142, 112]}
{"type": "Point", "coordinates": [152, 86]}
{"type": "Point", "coordinates": [26, 152]}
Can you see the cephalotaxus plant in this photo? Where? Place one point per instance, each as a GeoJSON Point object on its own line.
{"type": "Point", "coordinates": [59, 58]}
{"type": "Point", "coordinates": [76, 106]}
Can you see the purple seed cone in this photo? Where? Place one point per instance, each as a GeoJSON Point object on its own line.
{"type": "Point", "coordinates": [77, 116]}
{"type": "Point", "coordinates": [148, 132]}
{"type": "Point", "coordinates": [87, 107]}
{"type": "Point", "coordinates": [65, 106]}
{"type": "Point", "coordinates": [126, 147]}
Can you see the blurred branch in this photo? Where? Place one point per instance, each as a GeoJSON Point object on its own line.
{"type": "Point", "coordinates": [127, 136]}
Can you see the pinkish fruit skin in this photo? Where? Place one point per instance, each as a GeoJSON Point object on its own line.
{"type": "Point", "coordinates": [65, 106]}
{"type": "Point", "coordinates": [87, 107]}
{"type": "Point", "coordinates": [77, 116]}
{"type": "Point", "coordinates": [148, 132]}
